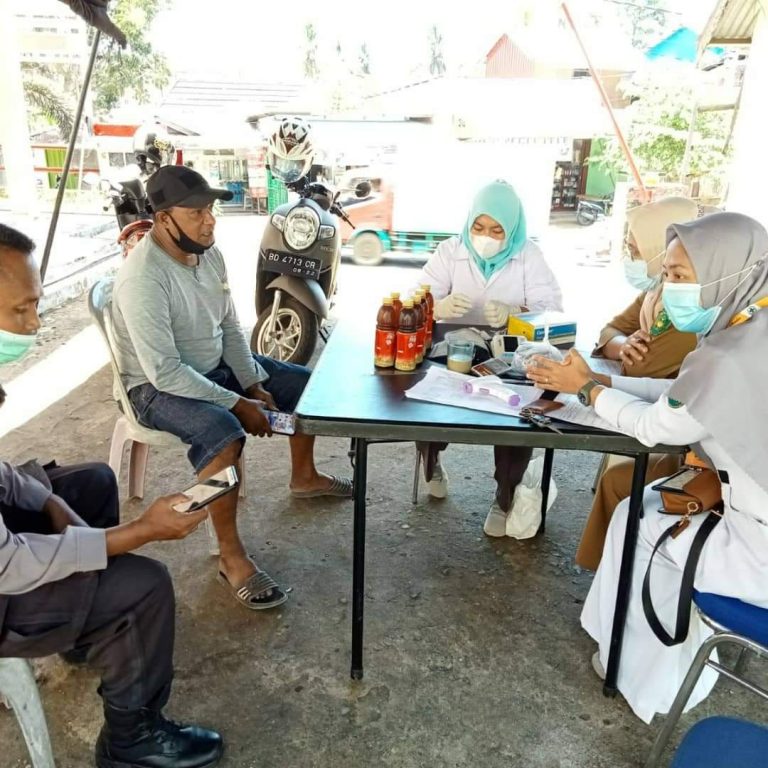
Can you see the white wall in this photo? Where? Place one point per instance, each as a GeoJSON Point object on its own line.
{"type": "Point", "coordinates": [748, 175]}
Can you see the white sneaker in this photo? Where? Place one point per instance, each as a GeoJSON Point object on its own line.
{"type": "Point", "coordinates": [496, 522]}
{"type": "Point", "coordinates": [597, 666]}
{"type": "Point", "coordinates": [437, 487]}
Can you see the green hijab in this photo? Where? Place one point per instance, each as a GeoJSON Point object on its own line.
{"type": "Point", "coordinates": [499, 201]}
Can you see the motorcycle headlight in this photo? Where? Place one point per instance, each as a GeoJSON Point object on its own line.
{"type": "Point", "coordinates": [327, 232]}
{"type": "Point", "coordinates": [302, 225]}
{"type": "Point", "coordinates": [278, 221]}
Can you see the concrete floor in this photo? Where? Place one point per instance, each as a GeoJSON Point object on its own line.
{"type": "Point", "coordinates": [474, 652]}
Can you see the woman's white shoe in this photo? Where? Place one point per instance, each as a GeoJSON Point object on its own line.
{"type": "Point", "coordinates": [496, 522]}
{"type": "Point", "coordinates": [438, 486]}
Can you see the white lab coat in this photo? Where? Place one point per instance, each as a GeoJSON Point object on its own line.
{"type": "Point", "coordinates": [524, 281]}
{"type": "Point", "coordinates": [733, 562]}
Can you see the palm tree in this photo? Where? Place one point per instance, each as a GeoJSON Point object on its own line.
{"type": "Point", "coordinates": [436, 61]}
{"type": "Point", "coordinates": [310, 59]}
{"type": "Point", "coordinates": [364, 58]}
{"type": "Point", "coordinates": [42, 87]}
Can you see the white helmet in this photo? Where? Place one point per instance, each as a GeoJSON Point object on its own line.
{"type": "Point", "coordinates": [290, 151]}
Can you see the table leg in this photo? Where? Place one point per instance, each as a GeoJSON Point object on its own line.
{"type": "Point", "coordinates": [625, 573]}
{"type": "Point", "coordinates": [546, 476]}
{"type": "Point", "coordinates": [358, 557]}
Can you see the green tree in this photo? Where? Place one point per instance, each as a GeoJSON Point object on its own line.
{"type": "Point", "coordinates": [436, 60]}
{"type": "Point", "coordinates": [660, 129]}
{"type": "Point", "coordinates": [311, 70]}
{"type": "Point", "coordinates": [647, 21]}
{"type": "Point", "coordinates": [138, 69]}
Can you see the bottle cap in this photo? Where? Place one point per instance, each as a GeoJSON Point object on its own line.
{"type": "Point", "coordinates": [408, 304]}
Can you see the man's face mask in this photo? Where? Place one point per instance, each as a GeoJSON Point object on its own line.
{"type": "Point", "coordinates": [486, 247]}
{"type": "Point", "coordinates": [184, 242]}
{"type": "Point", "coordinates": [13, 346]}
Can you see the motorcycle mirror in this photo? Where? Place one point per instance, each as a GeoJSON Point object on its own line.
{"type": "Point", "coordinates": [363, 189]}
{"type": "Point", "coordinates": [92, 179]}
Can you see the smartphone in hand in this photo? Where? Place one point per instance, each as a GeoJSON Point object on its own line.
{"type": "Point", "coordinates": [206, 491]}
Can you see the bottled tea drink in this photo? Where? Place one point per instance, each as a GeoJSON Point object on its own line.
{"type": "Point", "coordinates": [421, 325]}
{"type": "Point", "coordinates": [397, 304]}
{"type": "Point", "coordinates": [430, 315]}
{"type": "Point", "coordinates": [386, 335]}
{"type": "Point", "coordinates": [406, 338]}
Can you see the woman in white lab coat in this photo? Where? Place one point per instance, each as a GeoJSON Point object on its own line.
{"type": "Point", "coordinates": [716, 284]}
{"type": "Point", "coordinates": [481, 277]}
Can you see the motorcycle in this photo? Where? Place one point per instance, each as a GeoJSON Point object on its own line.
{"type": "Point", "coordinates": [590, 211]}
{"type": "Point", "coordinates": [296, 272]}
{"type": "Point", "coordinates": [127, 198]}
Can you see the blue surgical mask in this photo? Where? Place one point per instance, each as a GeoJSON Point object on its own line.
{"type": "Point", "coordinates": [13, 346]}
{"type": "Point", "coordinates": [682, 301]}
{"type": "Point", "coordinates": [636, 274]}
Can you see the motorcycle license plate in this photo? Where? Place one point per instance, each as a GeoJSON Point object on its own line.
{"type": "Point", "coordinates": [289, 264]}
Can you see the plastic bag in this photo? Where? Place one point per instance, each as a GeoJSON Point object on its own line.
{"type": "Point", "coordinates": [529, 349]}
{"type": "Point", "coordinates": [524, 517]}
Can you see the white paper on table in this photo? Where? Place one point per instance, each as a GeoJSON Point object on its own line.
{"type": "Point", "coordinates": [575, 413]}
{"type": "Point", "coordinates": [447, 388]}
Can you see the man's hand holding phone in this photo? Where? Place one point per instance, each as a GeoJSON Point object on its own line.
{"type": "Point", "coordinates": [250, 413]}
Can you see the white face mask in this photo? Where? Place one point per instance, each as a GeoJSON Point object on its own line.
{"type": "Point", "coordinates": [486, 247]}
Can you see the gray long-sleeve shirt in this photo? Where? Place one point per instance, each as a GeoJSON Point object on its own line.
{"type": "Point", "coordinates": [29, 560]}
{"type": "Point", "coordinates": [174, 323]}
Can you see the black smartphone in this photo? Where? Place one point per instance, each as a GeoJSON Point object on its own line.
{"type": "Point", "coordinates": [205, 491]}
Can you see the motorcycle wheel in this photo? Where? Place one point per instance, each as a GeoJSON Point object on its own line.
{"type": "Point", "coordinates": [367, 250]}
{"type": "Point", "coordinates": [585, 218]}
{"type": "Point", "coordinates": [295, 333]}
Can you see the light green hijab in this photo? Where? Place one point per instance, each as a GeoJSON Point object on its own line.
{"type": "Point", "coordinates": [499, 201]}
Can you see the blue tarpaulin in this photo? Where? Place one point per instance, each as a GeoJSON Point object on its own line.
{"type": "Point", "coordinates": [682, 44]}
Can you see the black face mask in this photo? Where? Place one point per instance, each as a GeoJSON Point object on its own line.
{"type": "Point", "coordinates": [184, 242]}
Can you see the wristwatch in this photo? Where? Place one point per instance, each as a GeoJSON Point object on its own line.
{"type": "Point", "coordinates": [585, 393]}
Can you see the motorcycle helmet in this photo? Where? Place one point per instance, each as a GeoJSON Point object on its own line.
{"type": "Point", "coordinates": [290, 151]}
{"type": "Point", "coordinates": [153, 148]}
{"type": "Point", "coordinates": [132, 233]}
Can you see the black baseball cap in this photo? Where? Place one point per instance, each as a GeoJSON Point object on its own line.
{"type": "Point", "coordinates": [177, 186]}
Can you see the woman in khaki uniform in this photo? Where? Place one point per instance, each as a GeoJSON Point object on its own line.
{"type": "Point", "coordinates": [647, 345]}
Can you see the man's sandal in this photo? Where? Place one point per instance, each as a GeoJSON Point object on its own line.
{"type": "Point", "coordinates": [252, 593]}
{"type": "Point", "coordinates": [340, 487]}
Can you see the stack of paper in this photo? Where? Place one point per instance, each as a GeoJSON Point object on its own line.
{"type": "Point", "coordinates": [447, 388]}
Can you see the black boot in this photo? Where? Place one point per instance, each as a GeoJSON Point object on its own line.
{"type": "Point", "coordinates": [143, 738]}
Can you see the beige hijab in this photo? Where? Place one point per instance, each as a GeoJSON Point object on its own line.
{"type": "Point", "coordinates": [648, 225]}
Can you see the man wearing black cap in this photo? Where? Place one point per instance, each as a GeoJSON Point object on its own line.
{"type": "Point", "coordinates": [188, 368]}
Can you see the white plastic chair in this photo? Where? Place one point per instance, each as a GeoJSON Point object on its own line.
{"type": "Point", "coordinates": [18, 689]}
{"type": "Point", "coordinates": [127, 428]}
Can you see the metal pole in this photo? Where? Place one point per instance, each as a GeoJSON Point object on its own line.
{"type": "Point", "coordinates": [606, 102]}
{"type": "Point", "coordinates": [68, 158]}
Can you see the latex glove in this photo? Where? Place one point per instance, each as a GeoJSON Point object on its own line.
{"type": "Point", "coordinates": [452, 306]}
{"type": "Point", "coordinates": [497, 313]}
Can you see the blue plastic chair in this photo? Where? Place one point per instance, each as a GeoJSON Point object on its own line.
{"type": "Point", "coordinates": [745, 626]}
{"type": "Point", "coordinates": [723, 742]}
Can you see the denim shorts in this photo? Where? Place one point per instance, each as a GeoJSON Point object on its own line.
{"type": "Point", "coordinates": [207, 428]}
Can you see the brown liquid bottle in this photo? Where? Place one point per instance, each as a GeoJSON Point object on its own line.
{"type": "Point", "coordinates": [406, 338]}
{"type": "Point", "coordinates": [421, 325]}
{"type": "Point", "coordinates": [430, 315]}
{"type": "Point", "coordinates": [386, 335]}
{"type": "Point", "coordinates": [398, 305]}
